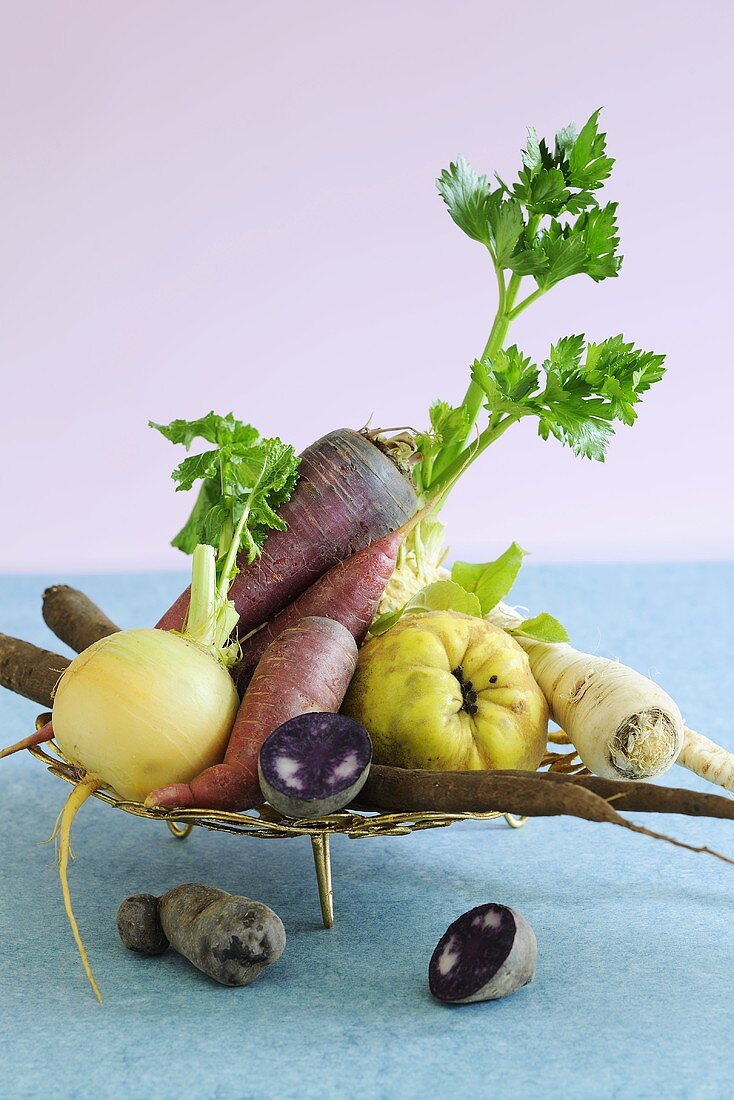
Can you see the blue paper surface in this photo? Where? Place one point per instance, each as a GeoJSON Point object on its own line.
{"type": "Point", "coordinates": [632, 996]}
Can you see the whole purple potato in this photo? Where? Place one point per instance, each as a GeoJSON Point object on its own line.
{"type": "Point", "coordinates": [230, 938]}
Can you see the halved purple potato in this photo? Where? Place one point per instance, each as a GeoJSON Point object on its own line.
{"type": "Point", "coordinates": [485, 954]}
{"type": "Point", "coordinates": [314, 764]}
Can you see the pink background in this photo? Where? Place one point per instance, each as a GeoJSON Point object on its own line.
{"type": "Point", "coordinates": [232, 205]}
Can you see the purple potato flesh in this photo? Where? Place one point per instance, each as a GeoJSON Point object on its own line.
{"type": "Point", "coordinates": [485, 954]}
{"type": "Point", "coordinates": [314, 764]}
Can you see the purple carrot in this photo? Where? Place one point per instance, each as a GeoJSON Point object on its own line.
{"type": "Point", "coordinates": [348, 593]}
{"type": "Point", "coordinates": [349, 493]}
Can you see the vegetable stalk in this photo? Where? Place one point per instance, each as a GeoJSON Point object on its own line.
{"type": "Point", "coordinates": [474, 397]}
{"type": "Point", "coordinates": [244, 480]}
{"type": "Point", "coordinates": [546, 227]}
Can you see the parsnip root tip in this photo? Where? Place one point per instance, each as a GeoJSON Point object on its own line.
{"type": "Point", "coordinates": [645, 744]}
{"type": "Point", "coordinates": [706, 759]}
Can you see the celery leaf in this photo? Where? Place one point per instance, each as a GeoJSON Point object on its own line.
{"type": "Point", "coordinates": [466, 195]}
{"type": "Point", "coordinates": [587, 387]}
{"type": "Point", "coordinates": [444, 595]}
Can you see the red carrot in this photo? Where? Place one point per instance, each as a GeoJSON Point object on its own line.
{"type": "Point", "coordinates": [349, 493]}
{"type": "Point", "coordinates": [348, 593]}
{"type": "Point", "coordinates": [44, 733]}
{"type": "Point", "coordinates": [307, 668]}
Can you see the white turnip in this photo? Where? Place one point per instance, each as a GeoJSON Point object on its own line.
{"type": "Point", "coordinates": [146, 708]}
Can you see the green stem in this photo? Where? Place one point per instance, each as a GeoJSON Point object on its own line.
{"type": "Point", "coordinates": [229, 562]}
{"type": "Point", "coordinates": [493, 432]}
{"type": "Point", "coordinates": [501, 288]}
{"type": "Point", "coordinates": [202, 602]}
{"type": "Point", "coordinates": [426, 472]}
{"type": "Point", "coordinates": [512, 288]}
{"type": "Point", "coordinates": [211, 619]}
{"type": "Point", "coordinates": [474, 398]}
{"type": "Point", "coordinates": [526, 302]}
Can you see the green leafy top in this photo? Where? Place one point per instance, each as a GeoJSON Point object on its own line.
{"type": "Point", "coordinates": [244, 479]}
{"type": "Point", "coordinates": [586, 387]}
{"type": "Point", "coordinates": [477, 590]}
{"type": "Point", "coordinates": [547, 226]}
{"type": "Point", "coordinates": [242, 476]}
{"type": "Point", "coordinates": [580, 237]}
{"type": "Point", "coordinates": [491, 582]}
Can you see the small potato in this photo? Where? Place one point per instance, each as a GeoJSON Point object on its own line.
{"type": "Point", "coordinates": [139, 925]}
{"type": "Point", "coordinates": [229, 938]}
{"type": "Point", "coordinates": [486, 954]}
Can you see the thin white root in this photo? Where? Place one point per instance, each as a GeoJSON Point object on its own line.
{"type": "Point", "coordinates": [81, 792]}
{"type": "Point", "coordinates": [55, 835]}
{"type": "Point", "coordinates": [707, 759]}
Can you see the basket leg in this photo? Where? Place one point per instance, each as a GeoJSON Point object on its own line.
{"type": "Point", "coordinates": [322, 860]}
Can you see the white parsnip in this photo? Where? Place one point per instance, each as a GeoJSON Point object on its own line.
{"type": "Point", "coordinates": [707, 759]}
{"type": "Point", "coordinates": [621, 723]}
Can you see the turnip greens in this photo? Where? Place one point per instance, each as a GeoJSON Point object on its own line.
{"type": "Point", "coordinates": [244, 479]}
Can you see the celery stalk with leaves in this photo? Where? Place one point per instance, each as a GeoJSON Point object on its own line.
{"type": "Point", "coordinates": [544, 228]}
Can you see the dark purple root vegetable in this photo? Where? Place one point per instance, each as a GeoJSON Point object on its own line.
{"type": "Point", "coordinates": [348, 593]}
{"type": "Point", "coordinates": [30, 671]}
{"type": "Point", "coordinates": [74, 618]}
{"type": "Point", "coordinates": [229, 938]}
{"type": "Point", "coordinates": [484, 955]}
{"type": "Point", "coordinates": [314, 764]}
{"type": "Point", "coordinates": [139, 925]}
{"type": "Point", "coordinates": [349, 493]}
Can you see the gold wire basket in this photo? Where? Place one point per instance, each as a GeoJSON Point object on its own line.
{"type": "Point", "coordinates": [267, 823]}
